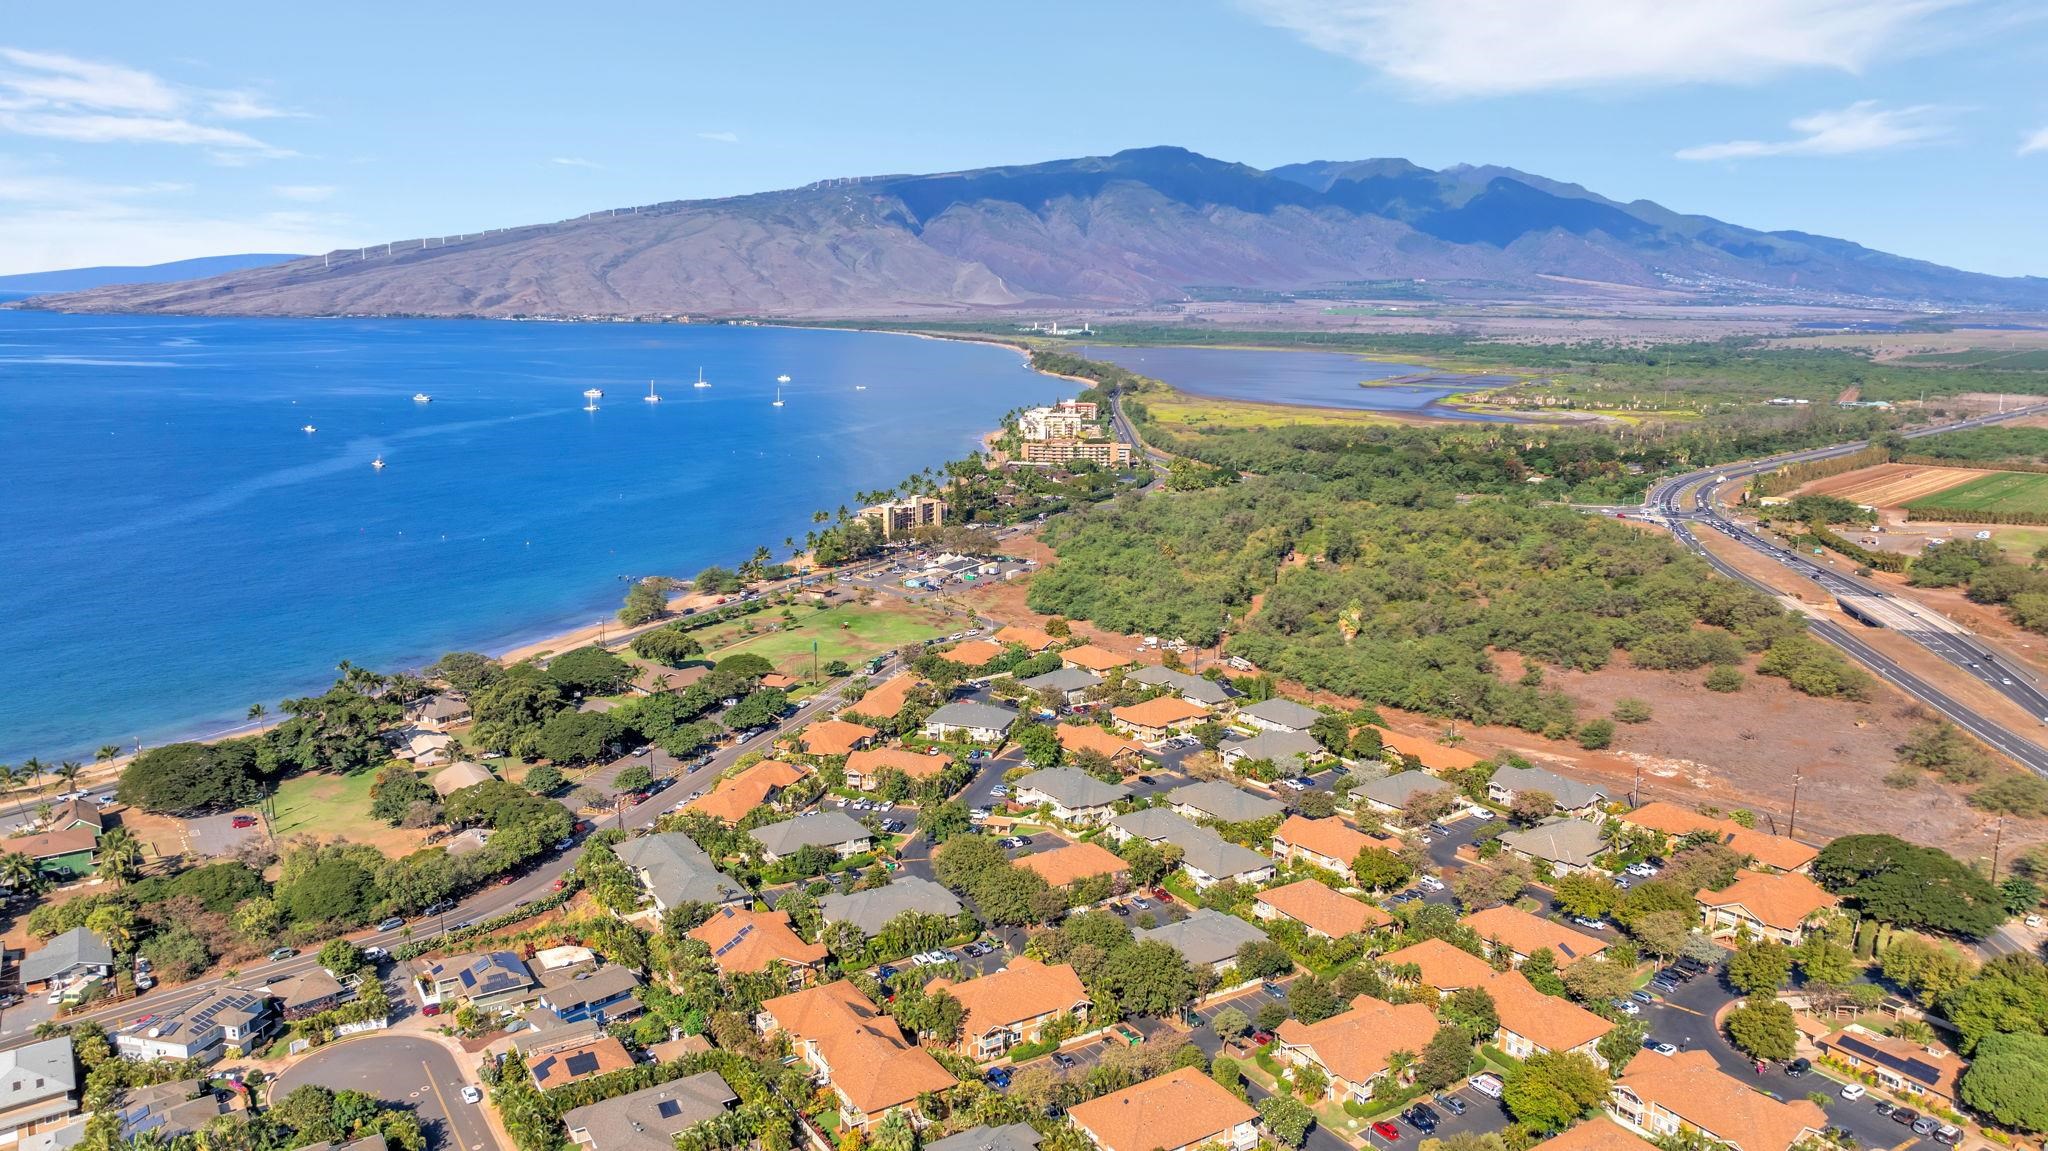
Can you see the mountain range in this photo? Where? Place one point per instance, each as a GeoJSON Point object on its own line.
{"type": "Point", "coordinates": [80, 279]}
{"type": "Point", "coordinates": [1139, 227]}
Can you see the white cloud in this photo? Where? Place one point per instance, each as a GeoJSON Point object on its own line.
{"type": "Point", "coordinates": [304, 193]}
{"type": "Point", "coordinates": [57, 97]}
{"type": "Point", "coordinates": [1452, 48]}
{"type": "Point", "coordinates": [720, 137]}
{"type": "Point", "coordinates": [1861, 127]}
{"type": "Point", "coordinates": [575, 162]}
{"type": "Point", "coordinates": [51, 220]}
{"type": "Point", "coordinates": [2036, 141]}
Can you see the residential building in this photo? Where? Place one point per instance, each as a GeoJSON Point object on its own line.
{"type": "Point", "coordinates": [974, 722]}
{"type": "Point", "coordinates": [1071, 683]}
{"type": "Point", "coordinates": [1013, 1005]}
{"type": "Point", "coordinates": [1392, 794]}
{"type": "Point", "coordinates": [1427, 752]}
{"type": "Point", "coordinates": [545, 1034]}
{"type": "Point", "coordinates": [607, 994]}
{"type": "Point", "coordinates": [973, 653]}
{"type": "Point", "coordinates": [1330, 843]}
{"type": "Point", "coordinates": [307, 993]}
{"type": "Point", "coordinates": [835, 737]}
{"type": "Point", "coordinates": [1214, 799]}
{"type": "Point", "coordinates": [1522, 934]}
{"type": "Point", "coordinates": [1074, 796]}
{"type": "Point", "coordinates": [1319, 909]}
{"type": "Point", "coordinates": [1015, 1137]}
{"type": "Point", "coordinates": [737, 795]}
{"type": "Point", "coordinates": [886, 699]}
{"type": "Point", "coordinates": [1532, 1023]}
{"type": "Point", "coordinates": [1205, 938]}
{"type": "Point", "coordinates": [1088, 657]}
{"type": "Point", "coordinates": [1073, 862]}
{"type": "Point", "coordinates": [423, 748]}
{"type": "Point", "coordinates": [900, 517]}
{"type": "Point", "coordinates": [1029, 638]}
{"type": "Point", "coordinates": [1278, 715]}
{"type": "Point", "coordinates": [872, 909]}
{"type": "Point", "coordinates": [1101, 453]}
{"type": "Point", "coordinates": [232, 1021]}
{"type": "Point", "coordinates": [1352, 1049]}
{"type": "Point", "coordinates": [439, 712]}
{"type": "Point", "coordinates": [38, 1088]}
{"type": "Point", "coordinates": [1158, 717]}
{"type": "Point", "coordinates": [458, 775]}
{"type": "Point", "coordinates": [77, 956]}
{"type": "Point", "coordinates": [486, 981]}
{"type": "Point", "coordinates": [1567, 845]}
{"type": "Point", "coordinates": [1206, 856]}
{"type": "Point", "coordinates": [1442, 967]}
{"type": "Point", "coordinates": [63, 850]}
{"type": "Point", "coordinates": [1086, 409]}
{"type": "Point", "coordinates": [1050, 424]}
{"type": "Point", "coordinates": [1772, 905]}
{"type": "Point", "coordinates": [651, 1118]}
{"type": "Point", "coordinates": [1175, 1112]}
{"type": "Point", "coordinates": [856, 1050]}
{"type": "Point", "coordinates": [834, 831]}
{"type": "Point", "coordinates": [168, 1110]}
{"type": "Point", "coordinates": [1193, 688]}
{"type": "Point", "coordinates": [1600, 1134]}
{"type": "Point", "coordinates": [1087, 737]}
{"type": "Point", "coordinates": [1568, 795]}
{"type": "Point", "coordinates": [1659, 1096]}
{"type": "Point", "coordinates": [1900, 1067]}
{"type": "Point", "coordinates": [864, 768]}
{"type": "Point", "coordinates": [674, 871]}
{"type": "Point", "coordinates": [1775, 852]}
{"type": "Point", "coordinates": [746, 941]}
{"type": "Point", "coordinates": [574, 1064]}
{"type": "Point", "coordinates": [1294, 751]}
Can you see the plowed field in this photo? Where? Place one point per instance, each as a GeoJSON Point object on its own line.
{"type": "Point", "coordinates": [1892, 485]}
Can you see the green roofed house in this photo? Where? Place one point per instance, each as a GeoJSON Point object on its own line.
{"type": "Point", "coordinates": [64, 848]}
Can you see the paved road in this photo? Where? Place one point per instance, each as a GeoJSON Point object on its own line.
{"type": "Point", "coordinates": [407, 1071]}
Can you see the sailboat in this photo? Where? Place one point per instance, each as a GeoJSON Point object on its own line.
{"type": "Point", "coordinates": [860, 387]}
{"type": "Point", "coordinates": [701, 381]}
{"type": "Point", "coordinates": [778, 393]}
{"type": "Point", "coordinates": [422, 398]}
{"type": "Point", "coordinates": [782, 379]}
{"type": "Point", "coordinates": [593, 393]}
{"type": "Point", "coordinates": [378, 463]}
{"type": "Point", "coordinates": [309, 429]}
{"type": "Point", "coordinates": [651, 397]}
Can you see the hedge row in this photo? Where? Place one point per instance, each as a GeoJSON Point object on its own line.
{"type": "Point", "coordinates": [1977, 516]}
{"type": "Point", "coordinates": [1792, 475]}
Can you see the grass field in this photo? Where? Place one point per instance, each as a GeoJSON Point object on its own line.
{"type": "Point", "coordinates": [849, 632]}
{"type": "Point", "coordinates": [1896, 485]}
{"type": "Point", "coordinates": [1180, 413]}
{"type": "Point", "coordinates": [337, 807]}
{"type": "Point", "coordinates": [1997, 492]}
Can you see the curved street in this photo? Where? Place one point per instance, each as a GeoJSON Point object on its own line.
{"type": "Point", "coordinates": [406, 1071]}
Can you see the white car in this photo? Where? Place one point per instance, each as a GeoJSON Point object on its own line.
{"type": "Point", "coordinates": [472, 1095]}
{"type": "Point", "coordinates": [1430, 883]}
{"type": "Point", "coordinates": [1628, 1007]}
{"type": "Point", "coordinates": [1852, 1091]}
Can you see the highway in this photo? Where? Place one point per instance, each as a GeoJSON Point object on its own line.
{"type": "Point", "coordinates": [1686, 502]}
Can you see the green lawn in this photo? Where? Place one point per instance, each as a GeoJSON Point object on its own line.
{"type": "Point", "coordinates": [2002, 492]}
{"type": "Point", "coordinates": [849, 632]}
{"type": "Point", "coordinates": [336, 807]}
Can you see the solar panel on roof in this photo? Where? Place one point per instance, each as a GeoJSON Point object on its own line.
{"type": "Point", "coordinates": [581, 1063]}
{"type": "Point", "coordinates": [1919, 1069]}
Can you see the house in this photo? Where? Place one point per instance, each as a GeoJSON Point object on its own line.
{"type": "Point", "coordinates": [1568, 795]}
{"type": "Point", "coordinates": [607, 994]}
{"type": "Point", "coordinates": [439, 712]}
{"type": "Point", "coordinates": [1353, 1049]}
{"type": "Point", "coordinates": [63, 854]}
{"type": "Point", "coordinates": [1077, 738]}
{"type": "Point", "coordinates": [674, 871]}
{"type": "Point", "coordinates": [1073, 862]}
{"type": "Point", "coordinates": [742, 940]}
{"type": "Point", "coordinates": [168, 1110]}
{"type": "Point", "coordinates": [1532, 1023]}
{"type": "Point", "coordinates": [423, 748]}
{"type": "Point", "coordinates": [854, 1049]}
{"type": "Point", "coordinates": [835, 737]}
{"type": "Point", "coordinates": [974, 722]}
{"type": "Point", "coordinates": [76, 956]}
{"type": "Point", "coordinates": [1074, 796]}
{"type": "Point", "coordinates": [458, 775]}
{"type": "Point", "coordinates": [232, 1021]}
{"type": "Point", "coordinates": [1206, 938]}
{"type": "Point", "coordinates": [38, 1088]}
{"type": "Point", "coordinates": [1071, 683]}
{"type": "Point", "coordinates": [1192, 688]}
{"type": "Point", "coordinates": [1162, 715]}
{"type": "Point", "coordinates": [1522, 934]}
{"type": "Point", "coordinates": [1319, 909]}
{"type": "Point", "coordinates": [1427, 752]}
{"type": "Point", "coordinates": [488, 980]}
{"type": "Point", "coordinates": [779, 681]}
{"type": "Point", "coordinates": [1214, 799]}
{"type": "Point", "coordinates": [1279, 715]}
{"type": "Point", "coordinates": [871, 910]}
{"type": "Point", "coordinates": [736, 795]}
{"type": "Point", "coordinates": [573, 1064]}
{"type": "Point", "coordinates": [864, 768]}
{"type": "Point", "coordinates": [1013, 1005]}
{"type": "Point", "coordinates": [1900, 1067]}
{"type": "Point", "coordinates": [834, 831]}
{"type": "Point", "coordinates": [1600, 1134]}
{"type": "Point", "coordinates": [75, 813]}
{"type": "Point", "coordinates": [1440, 966]}
{"type": "Point", "coordinates": [1659, 1096]}
{"type": "Point", "coordinates": [1015, 1137]}
{"type": "Point", "coordinates": [1392, 794]}
{"type": "Point", "coordinates": [1330, 843]}
{"type": "Point", "coordinates": [974, 653]}
{"type": "Point", "coordinates": [886, 700]}
{"type": "Point", "coordinates": [1772, 905]}
{"type": "Point", "coordinates": [1088, 657]}
{"type": "Point", "coordinates": [307, 994]}
{"type": "Point", "coordinates": [1175, 1112]}
{"type": "Point", "coordinates": [652, 680]}
{"type": "Point", "coordinates": [1775, 852]}
{"type": "Point", "coordinates": [651, 1118]}
{"type": "Point", "coordinates": [1029, 638]}
{"type": "Point", "coordinates": [1206, 856]}
{"type": "Point", "coordinates": [545, 1034]}
{"type": "Point", "coordinates": [1293, 751]}
{"type": "Point", "coordinates": [1567, 845]}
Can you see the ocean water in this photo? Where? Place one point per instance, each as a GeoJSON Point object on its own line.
{"type": "Point", "coordinates": [1307, 379]}
{"type": "Point", "coordinates": [174, 548]}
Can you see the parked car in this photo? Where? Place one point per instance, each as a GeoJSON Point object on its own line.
{"type": "Point", "coordinates": [1387, 1131]}
{"type": "Point", "coordinates": [1885, 1107]}
{"type": "Point", "coordinates": [391, 924]}
{"type": "Point", "coordinates": [1590, 923]}
{"type": "Point", "coordinates": [1430, 883]}
{"type": "Point", "coordinates": [1261, 1038]}
{"type": "Point", "coordinates": [1948, 1134]}
{"type": "Point", "coordinates": [998, 1077]}
{"type": "Point", "coordinates": [1146, 779]}
{"type": "Point", "coordinates": [1798, 1067]}
{"type": "Point", "coordinates": [1905, 1116]}
{"type": "Point", "coordinates": [243, 821]}
{"type": "Point", "coordinates": [471, 1095]}
{"type": "Point", "coordinates": [283, 953]}
{"type": "Point", "coordinates": [1451, 1103]}
{"type": "Point", "coordinates": [1852, 1091]}
{"type": "Point", "coordinates": [1641, 996]}
{"type": "Point", "coordinates": [1297, 784]}
{"type": "Point", "coordinates": [1665, 1049]}
{"type": "Point", "coordinates": [1063, 1060]}
{"type": "Point", "coordinates": [1139, 903]}
{"type": "Point", "coordinates": [1422, 1117]}
{"type": "Point", "coordinates": [1925, 1125]}
{"type": "Point", "coordinates": [1628, 1007]}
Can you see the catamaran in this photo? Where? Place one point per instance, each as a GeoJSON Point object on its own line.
{"type": "Point", "coordinates": [652, 396]}
{"type": "Point", "coordinates": [701, 381]}
{"type": "Point", "coordinates": [593, 393]}
{"type": "Point", "coordinates": [422, 398]}
{"type": "Point", "coordinates": [378, 463]}
{"type": "Point", "coordinates": [778, 394]}
{"type": "Point", "coordinates": [309, 429]}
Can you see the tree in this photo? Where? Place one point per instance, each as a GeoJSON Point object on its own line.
{"type": "Point", "coordinates": [1928, 970]}
{"type": "Point", "coordinates": [1263, 959]}
{"type": "Point", "coordinates": [761, 707]}
{"type": "Point", "coordinates": [577, 736]}
{"type": "Point", "coordinates": [646, 601]}
{"type": "Point", "coordinates": [1377, 869]}
{"type": "Point", "coordinates": [1540, 969]}
{"type": "Point", "coordinates": [1471, 1010]}
{"type": "Point", "coordinates": [1228, 1075]}
{"type": "Point", "coordinates": [1724, 679]}
{"type": "Point", "coordinates": [2008, 1080]}
{"type": "Point", "coordinates": [120, 855]}
{"type": "Point", "coordinates": [1286, 1119]}
{"type": "Point", "coordinates": [1663, 933]}
{"type": "Point", "coordinates": [667, 645]}
{"type": "Point", "coordinates": [1583, 895]}
{"type": "Point", "coordinates": [2009, 994]}
{"type": "Point", "coordinates": [589, 671]}
{"type": "Point", "coordinates": [1550, 1090]}
{"type": "Point", "coordinates": [1623, 1041]}
{"type": "Point", "coordinates": [1628, 710]}
{"type": "Point", "coordinates": [1310, 1082]}
{"type": "Point", "coordinates": [1231, 1024]}
{"type": "Point", "coordinates": [1040, 745]}
{"type": "Point", "coordinates": [1597, 983]}
{"type": "Point", "coordinates": [1446, 1058]}
{"type": "Point", "coordinates": [1532, 806]}
{"type": "Point", "coordinates": [1316, 804]}
{"type": "Point", "coordinates": [633, 777]}
{"type": "Point", "coordinates": [1312, 1000]}
{"type": "Point", "coordinates": [1271, 1015]}
{"type": "Point", "coordinates": [1487, 884]}
{"type": "Point", "coordinates": [944, 821]}
{"type": "Point", "coordinates": [395, 790]}
{"type": "Point", "coordinates": [1760, 968]}
{"type": "Point", "coordinates": [1763, 1028]}
{"type": "Point", "coordinates": [1824, 962]}
{"type": "Point", "coordinates": [1899, 883]}
{"type": "Point", "coordinates": [544, 780]}
{"type": "Point", "coordinates": [342, 958]}
{"type": "Point", "coordinates": [465, 671]}
{"type": "Point", "coordinates": [187, 779]}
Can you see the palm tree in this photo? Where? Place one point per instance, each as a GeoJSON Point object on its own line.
{"type": "Point", "coordinates": [18, 872]}
{"type": "Point", "coordinates": [120, 854]}
{"type": "Point", "coordinates": [257, 711]}
{"type": "Point", "coordinates": [69, 773]}
{"type": "Point", "coordinates": [34, 768]}
{"type": "Point", "coordinates": [106, 752]}
{"type": "Point", "coordinates": [6, 777]}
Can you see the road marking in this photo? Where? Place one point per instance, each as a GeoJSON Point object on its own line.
{"type": "Point", "coordinates": [445, 1109]}
{"type": "Point", "coordinates": [1682, 1007]}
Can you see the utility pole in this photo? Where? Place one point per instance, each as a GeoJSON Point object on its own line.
{"type": "Point", "coordinates": [1792, 825]}
{"type": "Point", "coordinates": [1997, 842]}
{"type": "Point", "coordinates": [1635, 791]}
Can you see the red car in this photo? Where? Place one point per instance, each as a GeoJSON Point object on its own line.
{"type": "Point", "coordinates": [1162, 895]}
{"type": "Point", "coordinates": [1387, 1131]}
{"type": "Point", "coordinates": [243, 821]}
{"type": "Point", "coordinates": [560, 884]}
{"type": "Point", "coordinates": [507, 881]}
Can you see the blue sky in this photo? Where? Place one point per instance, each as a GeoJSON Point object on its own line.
{"type": "Point", "coordinates": [134, 133]}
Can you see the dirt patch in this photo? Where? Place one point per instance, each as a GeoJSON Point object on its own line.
{"type": "Point", "coordinates": [1891, 485]}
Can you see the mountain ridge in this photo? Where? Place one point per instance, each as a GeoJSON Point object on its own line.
{"type": "Point", "coordinates": [1133, 228]}
{"type": "Point", "coordinates": [104, 275]}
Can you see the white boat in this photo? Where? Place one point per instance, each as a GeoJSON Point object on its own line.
{"type": "Point", "coordinates": [593, 393]}
{"type": "Point", "coordinates": [701, 381]}
{"type": "Point", "coordinates": [378, 463]}
{"type": "Point", "coordinates": [860, 387]}
{"type": "Point", "coordinates": [778, 397]}
{"type": "Point", "coordinates": [309, 429]}
{"type": "Point", "coordinates": [590, 405]}
{"type": "Point", "coordinates": [652, 396]}
{"type": "Point", "coordinates": [422, 398]}
{"type": "Point", "coordinates": [782, 379]}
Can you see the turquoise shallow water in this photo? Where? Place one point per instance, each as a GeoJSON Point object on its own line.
{"type": "Point", "coordinates": [174, 548]}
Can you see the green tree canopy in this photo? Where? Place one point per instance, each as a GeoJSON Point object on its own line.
{"type": "Point", "coordinates": [193, 778]}
{"type": "Point", "coordinates": [1551, 1090]}
{"type": "Point", "coordinates": [2008, 1080]}
{"type": "Point", "coordinates": [1763, 1028]}
{"type": "Point", "coordinates": [1906, 885]}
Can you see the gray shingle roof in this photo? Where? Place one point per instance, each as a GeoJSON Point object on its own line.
{"type": "Point", "coordinates": [75, 948]}
{"type": "Point", "coordinates": [1015, 1137]}
{"type": "Point", "coordinates": [1059, 679]}
{"type": "Point", "coordinates": [870, 910]}
{"type": "Point", "coordinates": [1570, 794]}
{"type": "Point", "coordinates": [1575, 842]}
{"type": "Point", "coordinates": [1219, 800]}
{"type": "Point", "coordinates": [36, 1071]}
{"type": "Point", "coordinates": [1152, 824]}
{"type": "Point", "coordinates": [677, 870]}
{"type": "Point", "coordinates": [1206, 937]}
{"type": "Point", "coordinates": [1282, 747]}
{"type": "Point", "coordinates": [971, 714]}
{"type": "Point", "coordinates": [567, 992]}
{"type": "Point", "coordinates": [1073, 789]}
{"type": "Point", "coordinates": [1183, 684]}
{"type": "Point", "coordinates": [818, 829]}
{"type": "Point", "coordinates": [1396, 790]}
{"type": "Point", "coordinates": [649, 1119]}
{"type": "Point", "coordinates": [1284, 712]}
{"type": "Point", "coordinates": [1201, 848]}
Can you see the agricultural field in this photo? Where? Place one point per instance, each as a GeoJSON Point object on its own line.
{"type": "Point", "coordinates": [1992, 492]}
{"type": "Point", "coordinates": [1894, 485]}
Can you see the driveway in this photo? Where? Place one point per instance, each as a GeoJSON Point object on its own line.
{"type": "Point", "coordinates": [417, 1074]}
